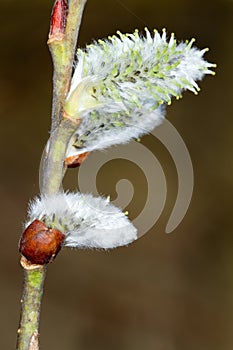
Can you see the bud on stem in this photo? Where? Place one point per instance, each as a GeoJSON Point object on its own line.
{"type": "Point", "coordinates": [76, 160]}
{"type": "Point", "coordinates": [40, 244]}
{"type": "Point", "coordinates": [58, 21]}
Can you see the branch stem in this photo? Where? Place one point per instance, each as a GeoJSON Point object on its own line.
{"type": "Point", "coordinates": [62, 50]}
{"type": "Point", "coordinates": [28, 336]}
{"type": "Point", "coordinates": [53, 171]}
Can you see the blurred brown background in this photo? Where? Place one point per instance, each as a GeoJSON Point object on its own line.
{"type": "Point", "coordinates": [164, 292]}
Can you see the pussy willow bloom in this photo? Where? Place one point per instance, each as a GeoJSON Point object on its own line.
{"type": "Point", "coordinates": [86, 221]}
{"type": "Point", "coordinates": [121, 85]}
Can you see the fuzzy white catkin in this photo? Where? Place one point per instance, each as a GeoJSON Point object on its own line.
{"type": "Point", "coordinates": [86, 221]}
{"type": "Point", "coordinates": [120, 86]}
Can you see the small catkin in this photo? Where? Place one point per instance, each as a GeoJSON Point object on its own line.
{"type": "Point", "coordinates": [86, 221]}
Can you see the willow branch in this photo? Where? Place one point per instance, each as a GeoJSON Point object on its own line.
{"type": "Point", "coordinates": [62, 49]}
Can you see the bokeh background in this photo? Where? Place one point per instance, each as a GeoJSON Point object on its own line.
{"type": "Point", "coordinates": [164, 292]}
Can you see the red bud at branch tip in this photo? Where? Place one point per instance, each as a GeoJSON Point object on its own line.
{"type": "Point", "coordinates": [58, 21]}
{"type": "Point", "coordinates": [40, 244]}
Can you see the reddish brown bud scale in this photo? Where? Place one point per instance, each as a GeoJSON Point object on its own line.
{"type": "Point", "coordinates": [40, 244]}
{"type": "Point", "coordinates": [58, 20]}
{"type": "Point", "coordinates": [75, 161]}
